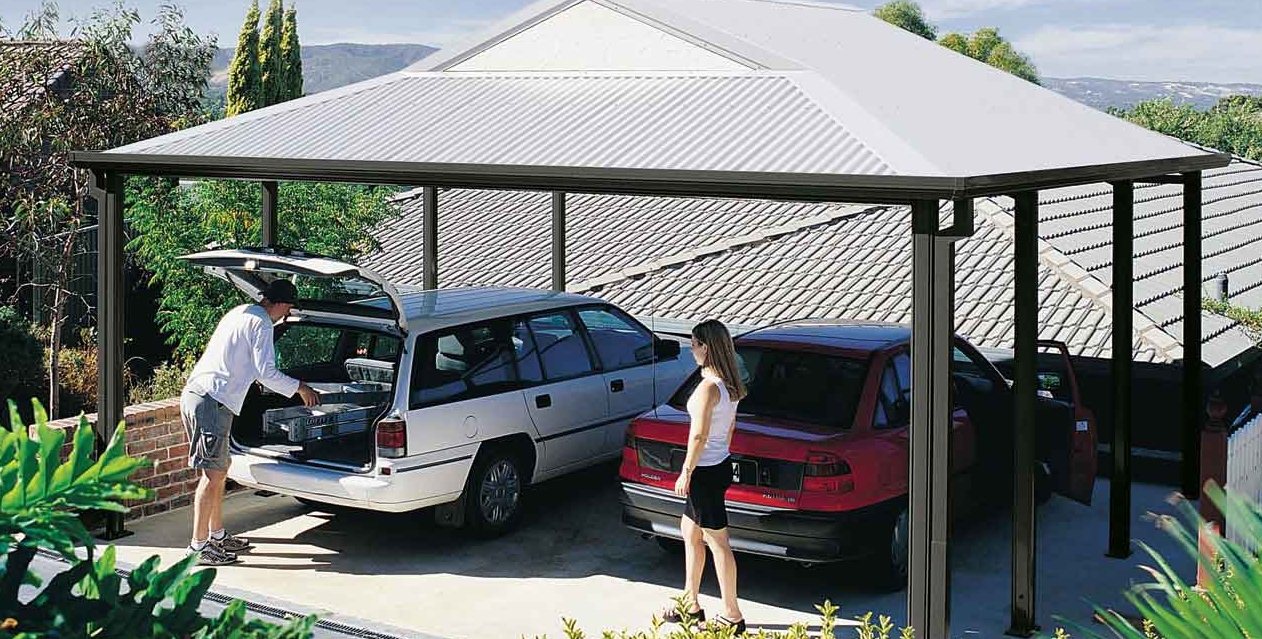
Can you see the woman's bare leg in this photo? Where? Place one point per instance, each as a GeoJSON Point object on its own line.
{"type": "Point", "coordinates": [694, 561]}
{"type": "Point", "coordinates": [725, 566]}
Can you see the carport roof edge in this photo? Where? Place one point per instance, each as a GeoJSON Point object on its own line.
{"type": "Point", "coordinates": [663, 182]}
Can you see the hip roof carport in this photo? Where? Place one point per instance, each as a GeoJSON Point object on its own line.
{"type": "Point", "coordinates": [729, 136]}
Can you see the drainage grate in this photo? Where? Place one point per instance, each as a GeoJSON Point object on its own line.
{"type": "Point", "coordinates": [262, 609]}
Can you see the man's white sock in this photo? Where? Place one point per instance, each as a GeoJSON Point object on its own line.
{"type": "Point", "coordinates": [197, 545]}
{"type": "Point", "coordinates": [218, 534]}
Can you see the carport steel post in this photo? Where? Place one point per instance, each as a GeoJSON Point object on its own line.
{"type": "Point", "coordinates": [933, 306]}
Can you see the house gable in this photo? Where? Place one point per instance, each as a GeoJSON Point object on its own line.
{"type": "Point", "coordinates": [590, 36]}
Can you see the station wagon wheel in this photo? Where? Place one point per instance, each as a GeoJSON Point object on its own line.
{"type": "Point", "coordinates": [493, 494]}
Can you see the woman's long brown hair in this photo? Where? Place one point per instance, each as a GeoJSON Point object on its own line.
{"type": "Point", "coordinates": [721, 356]}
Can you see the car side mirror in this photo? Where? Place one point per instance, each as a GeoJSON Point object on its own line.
{"type": "Point", "coordinates": [666, 348]}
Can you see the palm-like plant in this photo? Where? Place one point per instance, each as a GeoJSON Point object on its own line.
{"type": "Point", "coordinates": [41, 497]}
{"type": "Point", "coordinates": [1229, 605]}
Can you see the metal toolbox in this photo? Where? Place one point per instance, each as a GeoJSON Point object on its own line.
{"type": "Point", "coordinates": [303, 424]}
{"type": "Point", "coordinates": [360, 393]}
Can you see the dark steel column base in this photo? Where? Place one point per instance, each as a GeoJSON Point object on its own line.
{"type": "Point", "coordinates": [1023, 632]}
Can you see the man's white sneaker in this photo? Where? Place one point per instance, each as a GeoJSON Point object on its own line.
{"type": "Point", "coordinates": [212, 555]}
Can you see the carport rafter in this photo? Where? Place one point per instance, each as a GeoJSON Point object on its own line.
{"type": "Point", "coordinates": [929, 581]}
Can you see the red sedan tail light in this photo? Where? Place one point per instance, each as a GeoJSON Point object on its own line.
{"type": "Point", "coordinates": [826, 473]}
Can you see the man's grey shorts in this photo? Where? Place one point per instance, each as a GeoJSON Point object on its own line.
{"type": "Point", "coordinates": [208, 425]}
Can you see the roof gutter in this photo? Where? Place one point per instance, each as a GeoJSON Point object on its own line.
{"type": "Point", "coordinates": [811, 187]}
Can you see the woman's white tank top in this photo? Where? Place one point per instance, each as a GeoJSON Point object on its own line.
{"type": "Point", "coordinates": [717, 446]}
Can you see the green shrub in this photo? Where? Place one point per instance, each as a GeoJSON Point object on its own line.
{"type": "Point", "coordinates": [40, 497]}
{"type": "Point", "coordinates": [1229, 606]}
{"type": "Point", "coordinates": [21, 355]}
{"type": "Point", "coordinates": [167, 382]}
{"type": "Point", "coordinates": [882, 628]}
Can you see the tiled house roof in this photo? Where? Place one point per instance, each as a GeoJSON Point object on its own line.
{"type": "Point", "coordinates": [756, 262]}
{"type": "Point", "coordinates": [28, 70]}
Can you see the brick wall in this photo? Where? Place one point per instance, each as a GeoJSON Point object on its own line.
{"type": "Point", "coordinates": [154, 431]}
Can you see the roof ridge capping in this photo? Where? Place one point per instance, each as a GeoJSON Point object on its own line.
{"type": "Point", "coordinates": [1146, 329]}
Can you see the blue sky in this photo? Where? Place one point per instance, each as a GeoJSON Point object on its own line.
{"type": "Point", "coordinates": [1199, 40]}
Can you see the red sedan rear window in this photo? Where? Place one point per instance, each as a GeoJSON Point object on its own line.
{"type": "Point", "coordinates": [806, 387]}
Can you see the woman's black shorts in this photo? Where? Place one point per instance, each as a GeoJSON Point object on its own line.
{"type": "Point", "coordinates": [706, 505]}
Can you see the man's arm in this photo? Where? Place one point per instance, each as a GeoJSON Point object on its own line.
{"type": "Point", "coordinates": [265, 371]}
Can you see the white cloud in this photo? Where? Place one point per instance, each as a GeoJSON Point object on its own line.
{"type": "Point", "coordinates": [1147, 52]}
{"type": "Point", "coordinates": [948, 9]}
{"type": "Point", "coordinates": [439, 35]}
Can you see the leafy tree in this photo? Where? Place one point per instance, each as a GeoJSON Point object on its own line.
{"type": "Point", "coordinates": [40, 499]}
{"type": "Point", "coordinates": [245, 74]}
{"type": "Point", "coordinates": [985, 45]}
{"type": "Point", "coordinates": [909, 16]}
{"type": "Point", "coordinates": [271, 57]}
{"type": "Point", "coordinates": [330, 219]}
{"type": "Point", "coordinates": [110, 95]}
{"type": "Point", "coordinates": [291, 51]}
{"type": "Point", "coordinates": [21, 355]}
{"type": "Point", "coordinates": [1234, 125]}
{"type": "Point", "coordinates": [983, 42]}
{"type": "Point", "coordinates": [1247, 104]}
{"type": "Point", "coordinates": [955, 42]}
{"type": "Point", "coordinates": [1003, 57]}
{"type": "Point", "coordinates": [40, 24]}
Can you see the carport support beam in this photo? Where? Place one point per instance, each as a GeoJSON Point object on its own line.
{"type": "Point", "coordinates": [267, 228]}
{"type": "Point", "coordinates": [929, 576]}
{"type": "Point", "coordinates": [1024, 522]}
{"type": "Point", "coordinates": [429, 240]}
{"type": "Point", "coordinates": [1193, 382]}
{"type": "Point", "coordinates": [1123, 329]}
{"type": "Point", "coordinates": [558, 241]}
{"type": "Point", "coordinates": [107, 190]}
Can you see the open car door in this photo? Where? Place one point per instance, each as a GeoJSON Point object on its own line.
{"type": "Point", "coordinates": [327, 288]}
{"type": "Point", "coordinates": [1058, 379]}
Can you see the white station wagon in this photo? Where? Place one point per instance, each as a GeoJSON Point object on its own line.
{"type": "Point", "coordinates": [455, 398]}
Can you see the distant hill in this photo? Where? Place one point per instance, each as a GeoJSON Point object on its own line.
{"type": "Point", "coordinates": [328, 66]}
{"type": "Point", "coordinates": [1102, 93]}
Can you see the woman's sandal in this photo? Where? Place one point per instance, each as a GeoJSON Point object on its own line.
{"type": "Point", "coordinates": [723, 623]}
{"type": "Point", "coordinates": [671, 615]}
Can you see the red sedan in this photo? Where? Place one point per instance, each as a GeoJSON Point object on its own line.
{"type": "Point", "coordinates": [820, 451]}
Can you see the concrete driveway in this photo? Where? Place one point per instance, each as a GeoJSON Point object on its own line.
{"type": "Point", "coordinates": [573, 558]}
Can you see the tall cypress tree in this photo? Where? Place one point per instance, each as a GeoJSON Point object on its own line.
{"type": "Point", "coordinates": [270, 57]}
{"type": "Point", "coordinates": [291, 51]}
{"type": "Point", "coordinates": [245, 85]}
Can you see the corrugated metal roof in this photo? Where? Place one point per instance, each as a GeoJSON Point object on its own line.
{"type": "Point", "coordinates": [756, 262]}
{"type": "Point", "coordinates": [964, 116]}
{"type": "Point", "coordinates": [721, 122]}
{"type": "Point", "coordinates": [835, 92]}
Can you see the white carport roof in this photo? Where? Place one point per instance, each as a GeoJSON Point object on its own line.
{"type": "Point", "coordinates": [827, 102]}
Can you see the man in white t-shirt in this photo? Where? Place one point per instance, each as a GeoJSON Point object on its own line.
{"type": "Point", "coordinates": [239, 353]}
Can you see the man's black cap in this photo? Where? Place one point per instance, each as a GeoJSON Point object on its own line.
{"type": "Point", "coordinates": [281, 291]}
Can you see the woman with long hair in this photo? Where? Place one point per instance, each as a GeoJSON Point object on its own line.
{"type": "Point", "coordinates": [707, 473]}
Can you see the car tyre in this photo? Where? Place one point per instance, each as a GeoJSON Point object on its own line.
{"type": "Point", "coordinates": [892, 557]}
{"type": "Point", "coordinates": [1043, 483]}
{"type": "Point", "coordinates": [493, 494]}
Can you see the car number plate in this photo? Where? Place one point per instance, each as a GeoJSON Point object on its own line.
{"type": "Point", "coordinates": [744, 471]}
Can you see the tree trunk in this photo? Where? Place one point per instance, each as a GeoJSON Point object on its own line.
{"type": "Point", "coordinates": [54, 357]}
{"type": "Point", "coordinates": [65, 269]}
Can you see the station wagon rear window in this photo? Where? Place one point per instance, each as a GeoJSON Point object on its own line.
{"type": "Point", "coordinates": [783, 384]}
